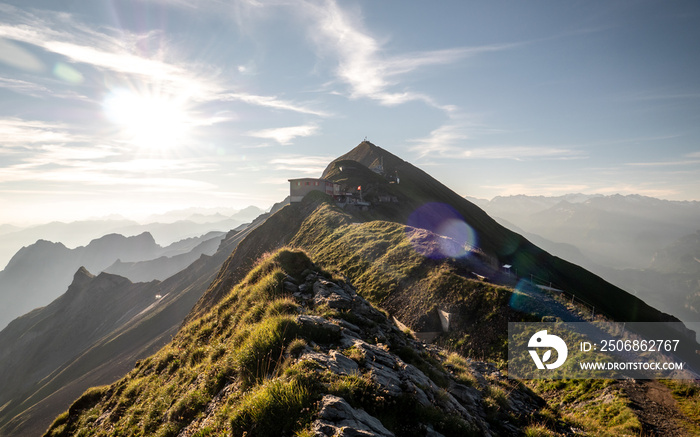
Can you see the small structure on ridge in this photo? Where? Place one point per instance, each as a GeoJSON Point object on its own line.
{"type": "Point", "coordinates": [298, 188]}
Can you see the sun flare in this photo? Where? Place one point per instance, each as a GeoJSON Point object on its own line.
{"type": "Point", "coordinates": [148, 120]}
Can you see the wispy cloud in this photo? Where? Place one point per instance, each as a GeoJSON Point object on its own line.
{"type": "Point", "coordinates": [115, 52]}
{"type": "Point", "coordinates": [362, 63]}
{"type": "Point", "coordinates": [66, 155]}
{"type": "Point", "coordinates": [118, 52]}
{"type": "Point", "coordinates": [664, 163]}
{"type": "Point", "coordinates": [15, 132]}
{"type": "Point", "coordinates": [285, 135]}
{"type": "Point", "coordinates": [688, 159]}
{"type": "Point", "coordinates": [53, 152]}
{"type": "Point", "coordinates": [411, 61]}
{"type": "Point", "coordinates": [37, 90]}
{"type": "Point", "coordinates": [273, 102]}
{"type": "Point", "coordinates": [457, 137]}
{"type": "Point", "coordinates": [311, 165]}
{"type": "Point", "coordinates": [539, 188]}
{"type": "Point", "coordinates": [447, 139]}
{"type": "Point", "coordinates": [521, 153]}
{"type": "Point", "coordinates": [18, 57]}
{"type": "Point", "coordinates": [90, 167]}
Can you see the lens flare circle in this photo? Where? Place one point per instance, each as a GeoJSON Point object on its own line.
{"type": "Point", "coordinates": [453, 237]}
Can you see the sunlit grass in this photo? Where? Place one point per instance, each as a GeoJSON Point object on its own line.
{"type": "Point", "coordinates": [687, 395]}
{"type": "Point", "coordinates": [594, 405]}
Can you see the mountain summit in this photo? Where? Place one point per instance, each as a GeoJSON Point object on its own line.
{"type": "Point", "coordinates": [423, 198]}
{"type": "Point", "coordinates": [416, 188]}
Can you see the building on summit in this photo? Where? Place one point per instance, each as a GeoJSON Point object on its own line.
{"type": "Point", "coordinates": [298, 188]}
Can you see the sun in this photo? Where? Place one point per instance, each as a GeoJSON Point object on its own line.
{"type": "Point", "coordinates": [148, 120]}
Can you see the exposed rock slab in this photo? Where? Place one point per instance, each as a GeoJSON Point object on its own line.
{"type": "Point", "coordinates": [337, 418]}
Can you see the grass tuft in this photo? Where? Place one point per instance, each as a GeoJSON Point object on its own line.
{"type": "Point", "coordinates": [538, 431]}
{"type": "Point", "coordinates": [462, 370]}
{"type": "Point", "coordinates": [273, 408]}
{"type": "Point", "coordinates": [262, 351]}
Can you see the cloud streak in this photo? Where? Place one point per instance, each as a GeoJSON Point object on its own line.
{"type": "Point", "coordinates": [41, 152]}
{"type": "Point", "coordinates": [273, 102]}
{"type": "Point", "coordinates": [19, 133]}
{"type": "Point", "coordinates": [456, 140]}
{"type": "Point", "coordinates": [37, 90]}
{"type": "Point", "coordinates": [285, 135]}
{"type": "Point", "coordinates": [444, 142]}
{"type": "Point", "coordinates": [117, 52]}
{"type": "Point", "coordinates": [95, 167]}
{"type": "Point", "coordinates": [310, 165]}
{"type": "Point", "coordinates": [361, 62]}
{"type": "Point", "coordinates": [664, 163]}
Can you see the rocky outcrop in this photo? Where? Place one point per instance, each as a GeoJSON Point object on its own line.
{"type": "Point", "coordinates": [336, 418]}
{"type": "Point", "coordinates": [369, 346]}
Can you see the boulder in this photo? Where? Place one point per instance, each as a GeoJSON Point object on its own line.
{"type": "Point", "coordinates": [337, 418]}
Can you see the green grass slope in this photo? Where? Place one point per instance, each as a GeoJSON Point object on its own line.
{"type": "Point", "coordinates": [277, 230]}
{"type": "Point", "coordinates": [269, 358]}
{"type": "Point", "coordinates": [381, 260]}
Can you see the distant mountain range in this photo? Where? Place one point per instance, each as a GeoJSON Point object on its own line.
{"type": "Point", "coordinates": [169, 262]}
{"type": "Point", "coordinates": [644, 245]}
{"type": "Point", "coordinates": [40, 272]}
{"type": "Point", "coordinates": [165, 228]}
{"type": "Point", "coordinates": [616, 231]}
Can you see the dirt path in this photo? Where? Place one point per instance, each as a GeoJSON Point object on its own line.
{"type": "Point", "coordinates": [655, 407]}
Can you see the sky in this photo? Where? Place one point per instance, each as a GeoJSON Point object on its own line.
{"type": "Point", "coordinates": [143, 106]}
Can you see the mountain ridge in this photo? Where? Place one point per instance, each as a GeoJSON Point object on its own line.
{"type": "Point", "coordinates": [57, 263]}
{"type": "Point", "coordinates": [510, 248]}
{"type": "Point", "coordinates": [317, 215]}
{"type": "Point", "coordinates": [346, 370]}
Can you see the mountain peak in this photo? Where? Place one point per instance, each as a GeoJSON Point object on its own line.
{"type": "Point", "coordinates": [83, 271]}
{"type": "Point", "coordinates": [82, 277]}
{"type": "Point", "coordinates": [369, 155]}
{"type": "Point", "coordinates": [143, 238]}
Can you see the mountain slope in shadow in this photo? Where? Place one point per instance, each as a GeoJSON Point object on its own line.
{"type": "Point", "coordinates": [92, 335]}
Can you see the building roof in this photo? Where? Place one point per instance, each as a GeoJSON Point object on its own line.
{"type": "Point", "coordinates": [308, 179]}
